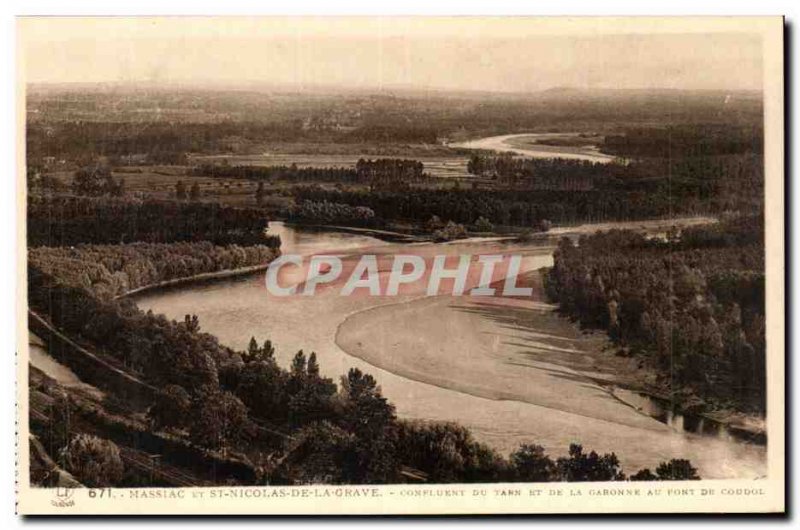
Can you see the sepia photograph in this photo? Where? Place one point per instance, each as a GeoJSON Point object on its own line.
{"type": "Point", "coordinates": [400, 265]}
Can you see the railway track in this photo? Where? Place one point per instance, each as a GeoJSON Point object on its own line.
{"type": "Point", "coordinates": [158, 471]}
{"type": "Point", "coordinates": [149, 464]}
{"type": "Point", "coordinates": [144, 463]}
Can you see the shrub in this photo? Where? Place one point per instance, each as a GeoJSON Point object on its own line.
{"type": "Point", "coordinates": [450, 232]}
{"type": "Point", "coordinates": [96, 462]}
{"type": "Point", "coordinates": [171, 408]}
{"type": "Point", "coordinates": [483, 225]}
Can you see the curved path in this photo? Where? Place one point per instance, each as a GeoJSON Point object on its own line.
{"type": "Point", "coordinates": [510, 143]}
{"type": "Point", "coordinates": [494, 348]}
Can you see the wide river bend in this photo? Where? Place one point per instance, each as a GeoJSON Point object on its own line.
{"type": "Point", "coordinates": [510, 370]}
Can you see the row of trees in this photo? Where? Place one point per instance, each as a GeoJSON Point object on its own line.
{"type": "Point", "coordinates": [364, 441]}
{"type": "Point", "coordinates": [500, 207]}
{"type": "Point", "coordinates": [390, 173]}
{"type": "Point", "coordinates": [161, 351]}
{"type": "Point", "coordinates": [449, 453]}
{"type": "Point", "coordinates": [62, 220]}
{"type": "Point", "coordinates": [566, 191]}
{"type": "Point", "coordinates": [380, 132]}
{"type": "Point", "coordinates": [162, 142]}
{"type": "Point", "coordinates": [332, 212]}
{"type": "Point", "coordinates": [692, 305]}
{"type": "Point", "coordinates": [243, 401]}
{"type": "Point", "coordinates": [291, 173]}
{"type": "Point", "coordinates": [157, 142]}
{"type": "Point", "coordinates": [110, 270]}
{"type": "Point", "coordinates": [685, 140]}
{"type": "Point", "coordinates": [181, 194]}
{"type": "Point", "coordinates": [382, 173]}
{"type": "Point", "coordinates": [537, 173]}
{"type": "Point", "coordinates": [712, 183]}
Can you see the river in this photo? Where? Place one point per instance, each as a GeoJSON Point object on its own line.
{"type": "Point", "coordinates": [39, 358]}
{"type": "Point", "coordinates": [509, 369]}
{"type": "Point", "coordinates": [517, 144]}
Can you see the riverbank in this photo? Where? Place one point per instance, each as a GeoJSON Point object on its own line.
{"type": "Point", "coordinates": [513, 234]}
{"type": "Point", "coordinates": [486, 353]}
{"type": "Point", "coordinates": [522, 352]}
{"type": "Point", "coordinates": [522, 144]}
{"type": "Point", "coordinates": [383, 235]}
{"type": "Point", "coordinates": [463, 344]}
{"type": "Point", "coordinates": [195, 279]}
{"type": "Point", "coordinates": [638, 386]}
{"type": "Point", "coordinates": [456, 354]}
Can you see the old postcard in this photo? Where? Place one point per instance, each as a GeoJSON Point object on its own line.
{"type": "Point", "coordinates": [400, 265]}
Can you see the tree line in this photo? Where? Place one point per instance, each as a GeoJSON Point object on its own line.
{"type": "Point", "coordinates": [538, 173]}
{"type": "Point", "coordinates": [161, 142]}
{"type": "Point", "coordinates": [111, 270]}
{"type": "Point", "coordinates": [703, 183]}
{"type": "Point", "coordinates": [566, 191]}
{"type": "Point", "coordinates": [236, 401]}
{"type": "Point", "coordinates": [378, 173]}
{"type": "Point", "coordinates": [500, 207]}
{"type": "Point", "coordinates": [685, 141]}
{"type": "Point", "coordinates": [332, 212]}
{"type": "Point", "coordinates": [272, 173]}
{"type": "Point", "coordinates": [67, 220]}
{"type": "Point", "coordinates": [692, 305]}
{"type": "Point", "coordinates": [390, 173]}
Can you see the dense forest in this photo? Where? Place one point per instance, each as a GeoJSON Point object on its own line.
{"type": "Point", "coordinates": [68, 220]}
{"type": "Point", "coordinates": [709, 183]}
{"type": "Point", "coordinates": [692, 305]}
{"type": "Point", "coordinates": [111, 270]}
{"type": "Point", "coordinates": [273, 173]}
{"type": "Point", "coordinates": [392, 173]}
{"type": "Point", "coordinates": [540, 173]}
{"type": "Point", "coordinates": [162, 143]}
{"type": "Point", "coordinates": [685, 141]}
{"type": "Point", "coordinates": [500, 207]}
{"type": "Point", "coordinates": [170, 143]}
{"type": "Point", "coordinates": [325, 212]}
{"type": "Point", "coordinates": [724, 174]}
{"type": "Point", "coordinates": [236, 402]}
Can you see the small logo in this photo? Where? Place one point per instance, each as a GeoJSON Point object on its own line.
{"type": "Point", "coordinates": [63, 497]}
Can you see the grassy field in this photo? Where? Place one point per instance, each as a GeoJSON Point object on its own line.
{"type": "Point", "coordinates": [437, 165]}
{"type": "Point", "coordinates": [160, 181]}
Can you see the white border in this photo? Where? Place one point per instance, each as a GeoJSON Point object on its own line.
{"type": "Point", "coordinates": [562, 7]}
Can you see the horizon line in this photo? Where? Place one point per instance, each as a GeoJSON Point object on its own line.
{"type": "Point", "coordinates": [256, 85]}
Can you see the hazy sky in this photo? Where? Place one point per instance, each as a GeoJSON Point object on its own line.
{"type": "Point", "coordinates": [493, 54]}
